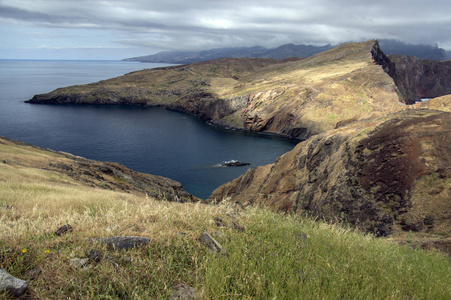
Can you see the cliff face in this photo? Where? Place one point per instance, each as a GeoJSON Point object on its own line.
{"type": "Point", "coordinates": [417, 78]}
{"type": "Point", "coordinates": [104, 175]}
{"type": "Point", "coordinates": [382, 176]}
{"type": "Point", "coordinates": [296, 97]}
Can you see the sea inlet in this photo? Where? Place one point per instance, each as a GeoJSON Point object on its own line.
{"type": "Point", "coordinates": [150, 140]}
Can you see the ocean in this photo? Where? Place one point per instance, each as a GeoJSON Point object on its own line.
{"type": "Point", "coordinates": [150, 140]}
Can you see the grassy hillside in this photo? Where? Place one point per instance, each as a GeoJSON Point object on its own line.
{"type": "Point", "coordinates": [265, 255]}
{"type": "Point", "coordinates": [294, 97]}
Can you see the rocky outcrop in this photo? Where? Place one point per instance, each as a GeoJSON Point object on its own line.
{"type": "Point", "coordinates": [417, 79]}
{"type": "Point", "coordinates": [104, 175]}
{"type": "Point", "coordinates": [380, 175]}
{"type": "Point", "coordinates": [296, 98]}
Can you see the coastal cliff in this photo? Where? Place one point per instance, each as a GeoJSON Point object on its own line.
{"type": "Point", "coordinates": [381, 175]}
{"type": "Point", "coordinates": [296, 98]}
{"type": "Point", "coordinates": [417, 79]}
{"type": "Point", "coordinates": [19, 157]}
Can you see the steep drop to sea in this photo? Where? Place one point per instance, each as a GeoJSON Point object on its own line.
{"type": "Point", "coordinates": [369, 161]}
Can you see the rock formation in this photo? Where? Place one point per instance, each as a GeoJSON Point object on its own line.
{"type": "Point", "coordinates": [417, 79]}
{"type": "Point", "coordinates": [380, 175]}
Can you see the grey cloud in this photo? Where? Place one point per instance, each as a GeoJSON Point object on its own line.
{"type": "Point", "coordinates": [198, 24]}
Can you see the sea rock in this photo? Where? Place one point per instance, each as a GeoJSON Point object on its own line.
{"type": "Point", "coordinates": [13, 285]}
{"type": "Point", "coordinates": [233, 163]}
{"type": "Point", "coordinates": [210, 242]}
{"type": "Point", "coordinates": [370, 174]}
{"type": "Point", "coordinates": [123, 242]}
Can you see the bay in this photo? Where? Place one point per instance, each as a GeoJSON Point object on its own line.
{"type": "Point", "coordinates": [150, 140]}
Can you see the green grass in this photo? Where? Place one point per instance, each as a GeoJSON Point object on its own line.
{"type": "Point", "coordinates": [276, 257]}
{"type": "Point", "coordinates": [271, 261]}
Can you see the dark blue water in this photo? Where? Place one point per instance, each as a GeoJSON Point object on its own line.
{"type": "Point", "coordinates": [151, 140]}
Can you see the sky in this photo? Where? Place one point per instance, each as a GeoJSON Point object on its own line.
{"type": "Point", "coordinates": [117, 29]}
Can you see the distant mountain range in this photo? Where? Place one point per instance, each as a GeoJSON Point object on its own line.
{"type": "Point", "coordinates": [390, 47]}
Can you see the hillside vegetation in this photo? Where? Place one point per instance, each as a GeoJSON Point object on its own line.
{"type": "Point", "coordinates": [265, 255]}
{"type": "Point", "coordinates": [294, 97]}
{"type": "Point", "coordinates": [389, 175]}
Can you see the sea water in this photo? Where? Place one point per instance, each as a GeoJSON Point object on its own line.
{"type": "Point", "coordinates": [150, 140]}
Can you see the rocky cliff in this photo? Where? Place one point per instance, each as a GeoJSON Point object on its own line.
{"type": "Point", "coordinates": [295, 98]}
{"type": "Point", "coordinates": [104, 175]}
{"type": "Point", "coordinates": [380, 175]}
{"type": "Point", "coordinates": [417, 79]}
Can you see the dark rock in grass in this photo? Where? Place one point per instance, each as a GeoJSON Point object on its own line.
{"type": "Point", "coordinates": [33, 273]}
{"type": "Point", "coordinates": [13, 285]}
{"type": "Point", "coordinates": [112, 261]}
{"type": "Point", "coordinates": [183, 291]}
{"type": "Point", "coordinates": [94, 256]}
{"type": "Point", "coordinates": [219, 222]}
{"type": "Point", "coordinates": [219, 234]}
{"type": "Point", "coordinates": [237, 227]}
{"type": "Point", "coordinates": [79, 263]}
{"type": "Point", "coordinates": [210, 242]}
{"type": "Point", "coordinates": [64, 230]}
{"type": "Point", "coordinates": [123, 242]}
{"type": "Point", "coordinates": [302, 236]}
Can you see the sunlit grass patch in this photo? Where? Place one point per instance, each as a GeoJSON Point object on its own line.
{"type": "Point", "coordinates": [289, 258]}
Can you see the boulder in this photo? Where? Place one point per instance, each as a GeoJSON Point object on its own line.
{"type": "Point", "coordinates": [63, 230]}
{"type": "Point", "coordinates": [123, 242]}
{"type": "Point", "coordinates": [210, 242]}
{"type": "Point", "coordinates": [13, 285]}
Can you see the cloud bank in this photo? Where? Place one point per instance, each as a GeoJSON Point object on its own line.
{"type": "Point", "coordinates": [150, 26]}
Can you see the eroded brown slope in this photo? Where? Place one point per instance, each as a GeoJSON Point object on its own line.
{"type": "Point", "coordinates": [21, 157]}
{"type": "Point", "coordinates": [295, 98]}
{"type": "Point", "coordinates": [381, 175]}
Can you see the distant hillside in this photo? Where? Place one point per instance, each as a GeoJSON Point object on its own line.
{"type": "Point", "coordinates": [188, 57]}
{"type": "Point", "coordinates": [390, 47]}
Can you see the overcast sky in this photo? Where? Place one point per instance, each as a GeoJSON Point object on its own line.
{"type": "Point", "coordinates": [116, 29]}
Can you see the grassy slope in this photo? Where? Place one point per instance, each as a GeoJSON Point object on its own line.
{"type": "Point", "coordinates": [270, 259]}
{"type": "Point", "coordinates": [313, 94]}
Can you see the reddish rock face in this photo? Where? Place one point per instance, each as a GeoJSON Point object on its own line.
{"type": "Point", "coordinates": [417, 79]}
{"type": "Point", "coordinates": [375, 175]}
